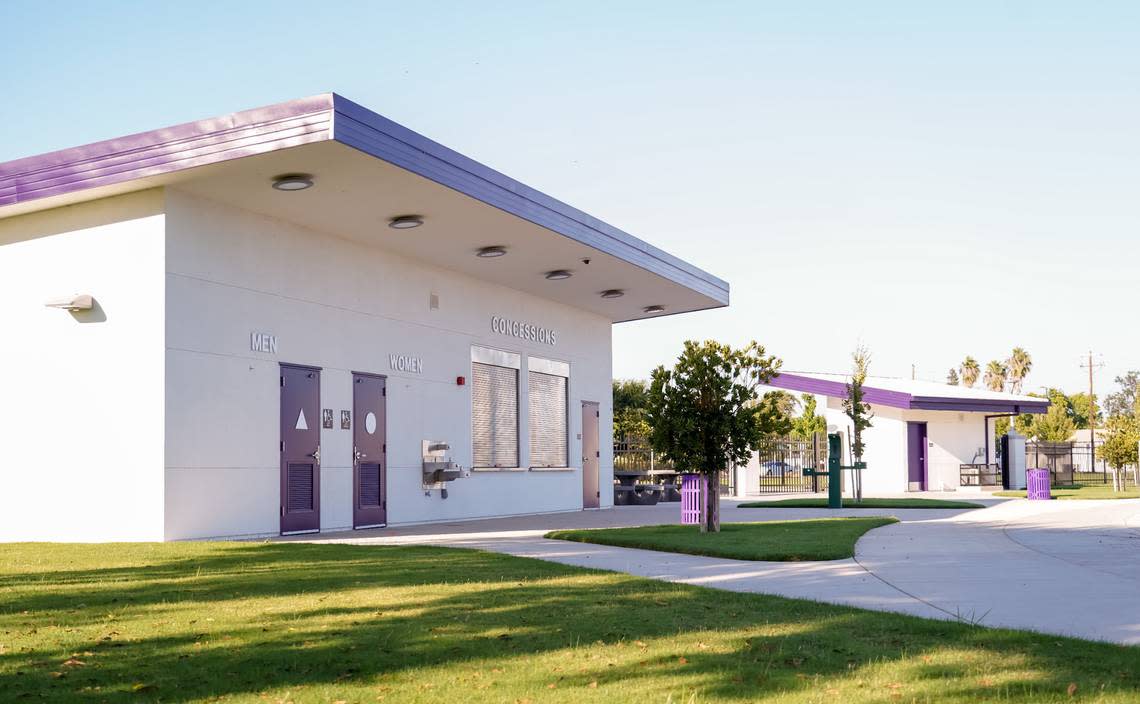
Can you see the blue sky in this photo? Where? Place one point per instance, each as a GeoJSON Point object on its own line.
{"type": "Point", "coordinates": [931, 181]}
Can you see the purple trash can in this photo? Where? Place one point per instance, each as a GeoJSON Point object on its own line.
{"type": "Point", "coordinates": [1037, 484]}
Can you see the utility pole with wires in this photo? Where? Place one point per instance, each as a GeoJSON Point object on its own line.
{"type": "Point", "coordinates": [1092, 366]}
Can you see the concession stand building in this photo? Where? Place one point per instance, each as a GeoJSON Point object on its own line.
{"type": "Point", "coordinates": [303, 318]}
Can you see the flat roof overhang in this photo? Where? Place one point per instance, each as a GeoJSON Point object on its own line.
{"type": "Point", "coordinates": [368, 169]}
{"type": "Point", "coordinates": [902, 399]}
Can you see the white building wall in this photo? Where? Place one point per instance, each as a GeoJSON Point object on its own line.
{"type": "Point", "coordinates": [343, 306]}
{"type": "Point", "coordinates": [953, 439]}
{"type": "Point", "coordinates": [82, 398]}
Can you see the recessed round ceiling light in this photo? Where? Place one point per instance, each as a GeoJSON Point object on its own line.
{"type": "Point", "coordinates": [405, 222]}
{"type": "Point", "coordinates": [292, 182]}
{"type": "Point", "coordinates": [558, 275]}
{"type": "Point", "coordinates": [491, 252]}
{"type": "Point", "coordinates": [654, 309]}
{"type": "Point", "coordinates": [613, 293]}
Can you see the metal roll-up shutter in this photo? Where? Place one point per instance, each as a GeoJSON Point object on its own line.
{"type": "Point", "coordinates": [494, 415]}
{"type": "Point", "coordinates": [547, 404]}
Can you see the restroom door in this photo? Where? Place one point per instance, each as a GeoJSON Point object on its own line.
{"type": "Point", "coordinates": [591, 455]}
{"type": "Point", "coordinates": [370, 449]}
{"type": "Point", "coordinates": [300, 449]}
{"type": "Point", "coordinates": [916, 456]}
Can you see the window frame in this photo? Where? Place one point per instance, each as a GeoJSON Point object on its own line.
{"type": "Point", "coordinates": [555, 368]}
{"type": "Point", "coordinates": [489, 356]}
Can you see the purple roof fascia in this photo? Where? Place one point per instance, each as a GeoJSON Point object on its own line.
{"type": "Point", "coordinates": [900, 399]}
{"type": "Point", "coordinates": [167, 150]}
{"type": "Point", "coordinates": [944, 403]}
{"type": "Point", "coordinates": [838, 389]}
{"type": "Point", "coordinates": [373, 134]}
{"type": "Point", "coordinates": [323, 118]}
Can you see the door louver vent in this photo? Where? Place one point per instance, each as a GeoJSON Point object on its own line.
{"type": "Point", "coordinates": [369, 485]}
{"type": "Point", "coordinates": [300, 487]}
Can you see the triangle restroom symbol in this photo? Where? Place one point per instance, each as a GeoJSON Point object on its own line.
{"type": "Point", "coordinates": [301, 423]}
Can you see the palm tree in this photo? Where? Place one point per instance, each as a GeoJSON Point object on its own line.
{"type": "Point", "coordinates": [1019, 365]}
{"type": "Point", "coordinates": [970, 372]}
{"type": "Point", "coordinates": [996, 374]}
{"type": "Point", "coordinates": [952, 377]}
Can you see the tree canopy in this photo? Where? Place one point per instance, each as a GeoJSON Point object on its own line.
{"type": "Point", "coordinates": [1019, 365]}
{"type": "Point", "coordinates": [1122, 433]}
{"type": "Point", "coordinates": [1125, 401]}
{"type": "Point", "coordinates": [631, 399]}
{"type": "Point", "coordinates": [996, 374]}
{"type": "Point", "coordinates": [807, 424]}
{"type": "Point", "coordinates": [970, 372]}
{"type": "Point", "coordinates": [704, 413]}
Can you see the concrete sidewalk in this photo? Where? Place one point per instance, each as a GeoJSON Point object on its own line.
{"type": "Point", "coordinates": [1063, 567]}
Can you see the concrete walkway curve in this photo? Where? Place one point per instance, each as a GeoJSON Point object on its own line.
{"type": "Point", "coordinates": [1063, 567]}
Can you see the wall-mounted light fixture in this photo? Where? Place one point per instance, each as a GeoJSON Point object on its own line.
{"type": "Point", "coordinates": [292, 182]}
{"type": "Point", "coordinates": [558, 275]}
{"type": "Point", "coordinates": [80, 301]}
{"type": "Point", "coordinates": [405, 222]}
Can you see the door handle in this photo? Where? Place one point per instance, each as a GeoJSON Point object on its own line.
{"type": "Point", "coordinates": [316, 454]}
{"type": "Point", "coordinates": [358, 454]}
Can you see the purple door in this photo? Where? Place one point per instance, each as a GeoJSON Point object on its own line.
{"type": "Point", "coordinates": [916, 456]}
{"type": "Point", "coordinates": [300, 449]}
{"type": "Point", "coordinates": [369, 444]}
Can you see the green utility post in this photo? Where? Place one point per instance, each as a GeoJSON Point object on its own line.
{"type": "Point", "coordinates": [834, 481]}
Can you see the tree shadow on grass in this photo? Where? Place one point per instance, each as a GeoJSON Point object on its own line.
{"type": "Point", "coordinates": [237, 619]}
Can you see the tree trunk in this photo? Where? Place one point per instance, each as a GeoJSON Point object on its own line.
{"type": "Point", "coordinates": [710, 517]}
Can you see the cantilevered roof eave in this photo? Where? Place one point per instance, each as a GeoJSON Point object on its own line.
{"type": "Point", "coordinates": [103, 168]}
{"type": "Point", "coordinates": [906, 401]}
{"type": "Point", "coordinates": [369, 132]}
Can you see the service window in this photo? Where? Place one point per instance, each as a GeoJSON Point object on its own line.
{"type": "Point", "coordinates": [494, 407]}
{"type": "Point", "coordinates": [547, 404]}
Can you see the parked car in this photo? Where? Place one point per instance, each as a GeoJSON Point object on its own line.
{"type": "Point", "coordinates": [776, 468]}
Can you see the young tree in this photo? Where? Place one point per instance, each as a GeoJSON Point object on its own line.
{"type": "Point", "coordinates": [996, 373]}
{"type": "Point", "coordinates": [703, 412]}
{"type": "Point", "coordinates": [1019, 365]}
{"type": "Point", "coordinates": [952, 377]}
{"type": "Point", "coordinates": [970, 372]}
{"type": "Point", "coordinates": [1122, 434]}
{"type": "Point", "coordinates": [807, 424]}
{"type": "Point", "coordinates": [857, 410]}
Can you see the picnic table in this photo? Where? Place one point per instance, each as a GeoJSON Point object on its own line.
{"type": "Point", "coordinates": [670, 482]}
{"type": "Point", "coordinates": [629, 492]}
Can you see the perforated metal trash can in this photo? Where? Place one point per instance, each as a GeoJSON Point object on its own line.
{"type": "Point", "coordinates": [1037, 484]}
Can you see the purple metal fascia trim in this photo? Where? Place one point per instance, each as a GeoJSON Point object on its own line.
{"type": "Point", "coordinates": [838, 389]}
{"type": "Point", "coordinates": [942, 403]}
{"type": "Point", "coordinates": [382, 138]}
{"type": "Point", "coordinates": [320, 118]}
{"type": "Point", "coordinates": [167, 150]}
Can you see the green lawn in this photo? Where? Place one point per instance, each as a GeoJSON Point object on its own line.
{"type": "Point", "coordinates": [242, 622]}
{"type": "Point", "coordinates": [1096, 491]}
{"type": "Point", "coordinates": [816, 539]}
{"type": "Point", "coordinates": [819, 502]}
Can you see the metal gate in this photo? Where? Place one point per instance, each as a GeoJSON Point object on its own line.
{"type": "Point", "coordinates": [792, 465]}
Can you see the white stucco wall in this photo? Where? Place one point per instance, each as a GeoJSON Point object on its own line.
{"type": "Point", "coordinates": [953, 438]}
{"type": "Point", "coordinates": [342, 306]}
{"type": "Point", "coordinates": [82, 406]}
